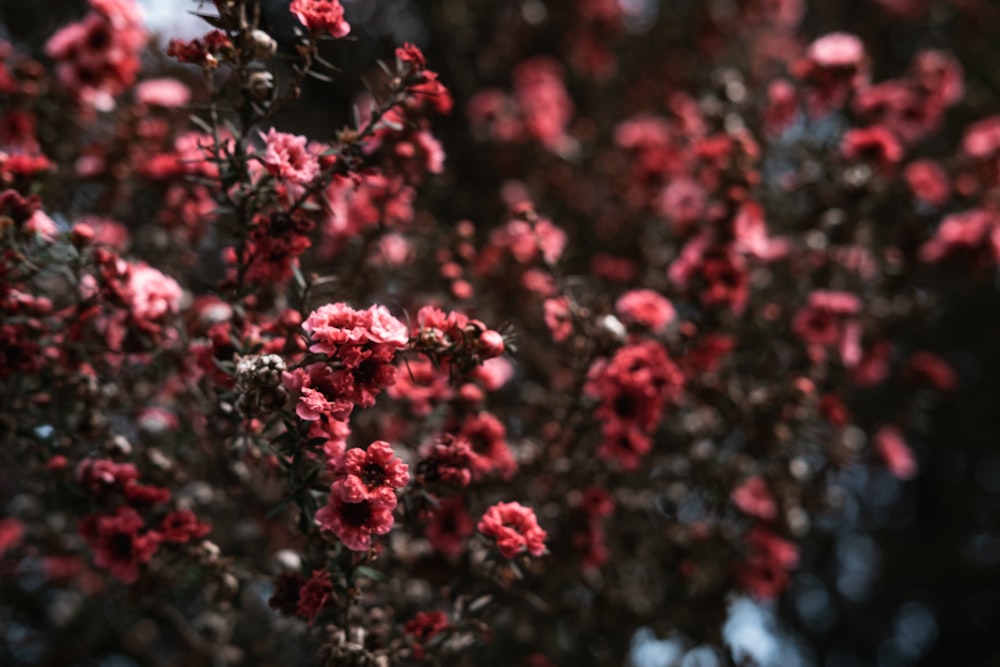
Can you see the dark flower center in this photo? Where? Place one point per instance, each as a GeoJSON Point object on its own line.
{"type": "Point", "coordinates": [373, 475]}
{"type": "Point", "coordinates": [356, 514]}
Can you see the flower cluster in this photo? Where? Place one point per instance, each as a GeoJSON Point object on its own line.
{"type": "Point", "coordinates": [363, 495]}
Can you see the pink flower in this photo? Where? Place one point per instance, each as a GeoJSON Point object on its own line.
{"type": "Point", "coordinates": [837, 50]}
{"type": "Point", "coordinates": [355, 523]}
{"type": "Point", "coordinates": [490, 452]}
{"type": "Point", "coordinates": [646, 308]}
{"type": "Point", "coordinates": [384, 328]}
{"type": "Point", "coordinates": [558, 318]}
{"type": "Point", "coordinates": [515, 529]}
{"type": "Point", "coordinates": [447, 459]}
{"type": "Point", "coordinates": [152, 295]}
{"type": "Point", "coordinates": [982, 138]}
{"type": "Point", "coordinates": [928, 182]}
{"type": "Point", "coordinates": [683, 203]}
{"type": "Point", "coordinates": [765, 573]}
{"type": "Point", "coordinates": [545, 105]}
{"type": "Point", "coordinates": [314, 596]}
{"type": "Point", "coordinates": [753, 498]}
{"type": "Point", "coordinates": [895, 452]}
{"type": "Point", "coordinates": [321, 16]}
{"type": "Point", "coordinates": [370, 474]}
{"type": "Point", "coordinates": [449, 525]}
{"type": "Point", "coordinates": [874, 144]}
{"type": "Point", "coordinates": [11, 532]}
{"type": "Point", "coordinates": [287, 157]}
{"type": "Point", "coordinates": [333, 325]}
{"type": "Point", "coordinates": [167, 93]}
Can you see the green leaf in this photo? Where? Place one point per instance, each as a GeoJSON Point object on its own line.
{"type": "Point", "coordinates": [371, 573]}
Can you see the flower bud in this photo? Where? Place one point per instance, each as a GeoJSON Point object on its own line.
{"type": "Point", "coordinates": [262, 45]}
{"type": "Point", "coordinates": [261, 86]}
{"type": "Point", "coordinates": [491, 344]}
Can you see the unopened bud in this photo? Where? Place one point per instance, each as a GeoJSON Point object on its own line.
{"type": "Point", "coordinates": [261, 86]}
{"type": "Point", "coordinates": [262, 45]}
{"type": "Point", "coordinates": [491, 344]}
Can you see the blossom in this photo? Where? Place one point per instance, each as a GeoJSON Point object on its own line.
{"type": "Point", "coordinates": [765, 572]}
{"type": "Point", "coordinates": [321, 16]}
{"type": "Point", "coordinates": [895, 452]}
{"type": "Point", "coordinates": [753, 498]}
{"type": "Point", "coordinates": [384, 328]}
{"type": "Point", "coordinates": [102, 475]}
{"type": "Point", "coordinates": [152, 295]}
{"type": "Point", "coordinates": [167, 93]}
{"type": "Point", "coordinates": [928, 182]}
{"type": "Point", "coordinates": [424, 626]}
{"type": "Point", "coordinates": [447, 459]}
{"type": "Point", "coordinates": [183, 526]}
{"type": "Point", "coordinates": [928, 368]}
{"type": "Point", "coordinates": [332, 326]}
{"type": "Point", "coordinates": [449, 525]}
{"type": "Point", "coordinates": [490, 452]}
{"type": "Point", "coordinates": [98, 57]}
{"type": "Point", "coordinates": [287, 157]}
{"type": "Point", "coordinates": [645, 308]}
{"type": "Point", "coordinates": [11, 532]}
{"type": "Point", "coordinates": [829, 320]}
{"type": "Point", "coordinates": [355, 523]}
{"type": "Point", "coordinates": [876, 144]}
{"type": "Point", "coordinates": [314, 595]}
{"type": "Point", "coordinates": [558, 318]}
{"type": "Point", "coordinates": [515, 529]}
{"type": "Point", "coordinates": [117, 542]}
{"type": "Point", "coordinates": [370, 474]}
{"type": "Point", "coordinates": [422, 384]}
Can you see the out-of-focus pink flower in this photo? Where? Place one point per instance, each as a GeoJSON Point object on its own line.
{"type": "Point", "coordinates": [287, 156]}
{"type": "Point", "coordinates": [515, 529]}
{"type": "Point", "coordinates": [558, 318]}
{"type": "Point", "coordinates": [167, 93]}
{"type": "Point", "coordinates": [646, 308]}
{"type": "Point", "coordinates": [898, 457]}
{"type": "Point", "coordinates": [753, 498]}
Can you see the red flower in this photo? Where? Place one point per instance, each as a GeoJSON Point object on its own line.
{"type": "Point", "coordinates": [355, 523]}
{"type": "Point", "coordinates": [450, 524]}
{"type": "Point", "coordinates": [183, 526]}
{"type": "Point", "coordinates": [490, 453]}
{"type": "Point", "coordinates": [424, 626]}
{"type": "Point", "coordinates": [11, 532]}
{"type": "Point", "coordinates": [370, 474]}
{"type": "Point", "coordinates": [117, 544]}
{"type": "Point", "coordinates": [515, 529]}
{"type": "Point", "coordinates": [928, 182]}
{"type": "Point", "coordinates": [321, 16]}
{"type": "Point", "coordinates": [765, 573]}
{"type": "Point", "coordinates": [448, 459]}
{"type": "Point", "coordinates": [102, 475]}
{"type": "Point", "coordinates": [314, 596]}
